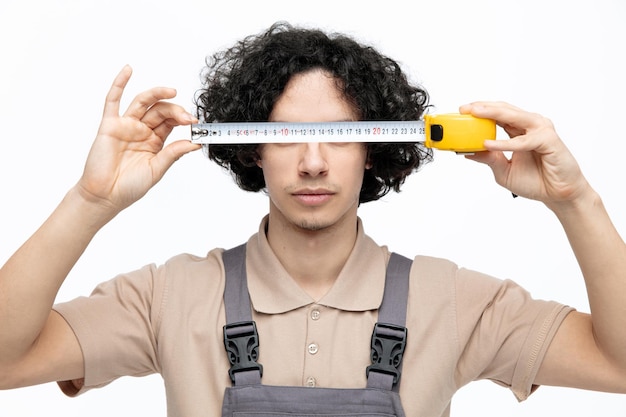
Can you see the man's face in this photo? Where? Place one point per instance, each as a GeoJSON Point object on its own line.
{"type": "Point", "coordinates": [313, 186]}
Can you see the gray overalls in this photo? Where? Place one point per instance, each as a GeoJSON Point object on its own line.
{"type": "Point", "coordinates": [248, 397]}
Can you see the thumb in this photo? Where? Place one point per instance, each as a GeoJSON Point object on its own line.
{"type": "Point", "coordinates": [172, 153]}
{"type": "Point", "coordinates": [496, 160]}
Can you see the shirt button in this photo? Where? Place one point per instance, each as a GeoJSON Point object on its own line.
{"type": "Point", "coordinates": [315, 314]}
{"type": "Point", "coordinates": [310, 382]}
{"type": "Point", "coordinates": [313, 348]}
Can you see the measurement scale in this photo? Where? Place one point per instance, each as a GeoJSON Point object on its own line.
{"type": "Point", "coordinates": [461, 133]}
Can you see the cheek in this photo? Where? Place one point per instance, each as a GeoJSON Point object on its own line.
{"type": "Point", "coordinates": [353, 164]}
{"type": "Point", "coordinates": [273, 171]}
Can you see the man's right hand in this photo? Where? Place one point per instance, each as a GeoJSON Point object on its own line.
{"type": "Point", "coordinates": [128, 155]}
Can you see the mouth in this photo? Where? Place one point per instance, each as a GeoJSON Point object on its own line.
{"type": "Point", "coordinates": [313, 197]}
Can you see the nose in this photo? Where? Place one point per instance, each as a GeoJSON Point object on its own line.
{"type": "Point", "coordinates": [312, 160]}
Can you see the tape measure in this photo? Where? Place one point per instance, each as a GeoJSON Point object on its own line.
{"type": "Point", "coordinates": [460, 133]}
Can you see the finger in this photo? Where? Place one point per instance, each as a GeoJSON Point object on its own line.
{"type": "Point", "coordinates": [144, 101]}
{"type": "Point", "coordinates": [163, 111]}
{"type": "Point", "coordinates": [542, 140]}
{"type": "Point", "coordinates": [517, 143]}
{"type": "Point", "coordinates": [497, 161]}
{"type": "Point", "coordinates": [502, 104]}
{"type": "Point", "coordinates": [165, 128]}
{"type": "Point", "coordinates": [170, 154]}
{"type": "Point", "coordinates": [513, 119]}
{"type": "Point", "coordinates": [485, 157]}
{"type": "Point", "coordinates": [112, 101]}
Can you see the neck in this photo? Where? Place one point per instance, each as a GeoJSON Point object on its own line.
{"type": "Point", "coordinates": [313, 258]}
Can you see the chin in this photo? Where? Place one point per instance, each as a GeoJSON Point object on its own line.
{"type": "Point", "coordinates": [313, 225]}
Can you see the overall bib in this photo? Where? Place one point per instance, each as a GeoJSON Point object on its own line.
{"type": "Point", "coordinates": [249, 398]}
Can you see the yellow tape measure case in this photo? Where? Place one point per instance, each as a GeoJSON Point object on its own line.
{"type": "Point", "coordinates": [461, 133]}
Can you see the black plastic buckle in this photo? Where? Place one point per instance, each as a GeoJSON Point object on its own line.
{"type": "Point", "coordinates": [388, 343]}
{"type": "Point", "coordinates": [242, 346]}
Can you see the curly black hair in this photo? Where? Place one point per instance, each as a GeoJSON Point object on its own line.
{"type": "Point", "coordinates": [244, 82]}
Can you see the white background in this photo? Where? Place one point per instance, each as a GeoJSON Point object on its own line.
{"type": "Point", "coordinates": [564, 59]}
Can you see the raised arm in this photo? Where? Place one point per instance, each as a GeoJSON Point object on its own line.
{"type": "Point", "coordinates": [589, 351]}
{"type": "Point", "coordinates": [127, 158]}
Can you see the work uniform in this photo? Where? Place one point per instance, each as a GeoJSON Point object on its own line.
{"type": "Point", "coordinates": [462, 326]}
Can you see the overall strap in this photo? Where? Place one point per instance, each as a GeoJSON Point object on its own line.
{"type": "Point", "coordinates": [236, 297]}
{"type": "Point", "coordinates": [390, 334]}
{"type": "Point", "coordinates": [395, 298]}
{"type": "Point", "coordinates": [241, 338]}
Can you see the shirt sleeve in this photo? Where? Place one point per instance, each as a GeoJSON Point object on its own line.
{"type": "Point", "coordinates": [116, 329]}
{"type": "Point", "coordinates": [503, 332]}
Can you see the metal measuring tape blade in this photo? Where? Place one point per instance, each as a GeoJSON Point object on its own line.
{"type": "Point", "coordinates": [460, 133]}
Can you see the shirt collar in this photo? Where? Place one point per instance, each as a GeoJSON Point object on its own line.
{"type": "Point", "coordinates": [359, 286]}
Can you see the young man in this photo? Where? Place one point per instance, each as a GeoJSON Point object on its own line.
{"type": "Point", "coordinates": [315, 279]}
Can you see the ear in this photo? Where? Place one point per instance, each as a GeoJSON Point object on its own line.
{"type": "Point", "coordinates": [368, 158]}
{"type": "Point", "coordinates": [259, 160]}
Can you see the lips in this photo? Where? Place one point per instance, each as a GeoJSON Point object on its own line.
{"type": "Point", "coordinates": [313, 197]}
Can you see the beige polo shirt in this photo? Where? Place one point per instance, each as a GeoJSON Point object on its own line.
{"type": "Point", "coordinates": [462, 326]}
